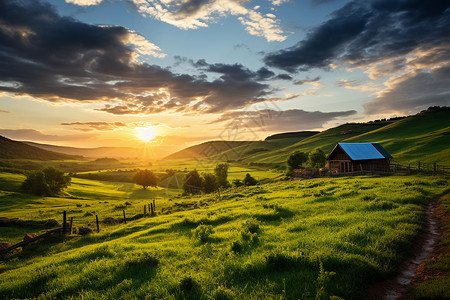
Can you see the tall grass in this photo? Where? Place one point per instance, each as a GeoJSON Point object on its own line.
{"type": "Point", "coordinates": [315, 239]}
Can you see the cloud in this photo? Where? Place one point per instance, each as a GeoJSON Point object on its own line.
{"type": "Point", "coordinates": [194, 14]}
{"type": "Point", "coordinates": [289, 120]}
{"type": "Point", "coordinates": [355, 85]}
{"type": "Point", "coordinates": [67, 60]}
{"type": "Point", "coordinates": [362, 33]}
{"type": "Point", "coordinates": [4, 111]}
{"type": "Point", "coordinates": [413, 92]}
{"type": "Point", "coordinates": [88, 126]}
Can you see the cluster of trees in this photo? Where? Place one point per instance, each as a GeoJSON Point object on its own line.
{"type": "Point", "coordinates": [248, 181]}
{"type": "Point", "coordinates": [46, 182]}
{"type": "Point", "coordinates": [194, 183]}
{"type": "Point", "coordinates": [315, 159]}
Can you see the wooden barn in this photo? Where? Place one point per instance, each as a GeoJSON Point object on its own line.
{"type": "Point", "coordinates": [358, 158]}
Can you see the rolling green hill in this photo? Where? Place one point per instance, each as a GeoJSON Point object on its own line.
{"type": "Point", "coordinates": [206, 149]}
{"type": "Point", "coordinates": [424, 136]}
{"type": "Point", "coordinates": [10, 149]}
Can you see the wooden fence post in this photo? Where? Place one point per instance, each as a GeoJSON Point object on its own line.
{"type": "Point", "coordinates": [70, 225]}
{"type": "Point", "coordinates": [98, 227]}
{"type": "Point", "coordinates": [434, 168]}
{"type": "Point", "coordinates": [151, 207]}
{"type": "Point", "coordinates": [64, 222]}
{"type": "Point", "coordinates": [124, 217]}
{"type": "Point", "coordinates": [145, 210]}
{"type": "Point", "coordinates": [418, 168]}
{"type": "Point", "coordinates": [409, 169]}
{"type": "Point", "coordinates": [154, 205]}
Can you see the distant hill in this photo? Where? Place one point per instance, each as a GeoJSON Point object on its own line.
{"type": "Point", "coordinates": [298, 134]}
{"type": "Point", "coordinates": [114, 152]}
{"type": "Point", "coordinates": [10, 149]}
{"type": "Point", "coordinates": [424, 136]}
{"type": "Point", "coordinates": [207, 149]}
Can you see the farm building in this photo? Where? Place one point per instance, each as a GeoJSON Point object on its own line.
{"type": "Point", "coordinates": [358, 158]}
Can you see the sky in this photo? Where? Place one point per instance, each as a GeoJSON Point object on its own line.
{"type": "Point", "coordinates": [172, 73]}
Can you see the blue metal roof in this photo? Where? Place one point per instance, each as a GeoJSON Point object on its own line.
{"type": "Point", "coordinates": [363, 151]}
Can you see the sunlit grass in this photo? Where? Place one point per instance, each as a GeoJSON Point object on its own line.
{"type": "Point", "coordinates": [358, 227]}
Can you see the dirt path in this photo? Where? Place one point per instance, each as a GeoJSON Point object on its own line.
{"type": "Point", "coordinates": [395, 288]}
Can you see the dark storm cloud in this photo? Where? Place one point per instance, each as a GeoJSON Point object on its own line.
{"type": "Point", "coordinates": [58, 58]}
{"type": "Point", "coordinates": [292, 119]}
{"type": "Point", "coordinates": [419, 91]}
{"type": "Point", "coordinates": [363, 32]}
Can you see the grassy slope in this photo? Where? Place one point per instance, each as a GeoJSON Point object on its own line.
{"type": "Point", "coordinates": [206, 149]}
{"type": "Point", "coordinates": [325, 140]}
{"type": "Point", "coordinates": [425, 137]}
{"type": "Point", "coordinates": [10, 149]}
{"type": "Point", "coordinates": [359, 228]}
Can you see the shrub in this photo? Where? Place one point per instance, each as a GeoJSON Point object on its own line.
{"type": "Point", "coordinates": [209, 183]}
{"type": "Point", "coordinates": [249, 180]}
{"type": "Point", "coordinates": [237, 183]}
{"type": "Point", "coordinates": [251, 225]}
{"type": "Point", "coordinates": [202, 232]}
{"type": "Point", "coordinates": [278, 261]}
{"type": "Point", "coordinates": [190, 289]}
{"type": "Point", "coordinates": [193, 183]}
{"type": "Point", "coordinates": [295, 161]}
{"type": "Point", "coordinates": [317, 158]}
{"type": "Point", "coordinates": [236, 247]}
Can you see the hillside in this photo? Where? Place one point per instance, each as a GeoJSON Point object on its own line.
{"type": "Point", "coordinates": [115, 152]}
{"type": "Point", "coordinates": [285, 135]}
{"type": "Point", "coordinates": [424, 137]}
{"type": "Point", "coordinates": [10, 149]}
{"type": "Point", "coordinates": [206, 149]}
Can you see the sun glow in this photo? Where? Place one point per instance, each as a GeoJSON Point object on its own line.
{"type": "Point", "coordinates": [145, 134]}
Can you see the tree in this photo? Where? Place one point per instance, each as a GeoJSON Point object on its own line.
{"type": "Point", "coordinates": [249, 180]}
{"type": "Point", "coordinates": [237, 183]}
{"type": "Point", "coordinates": [221, 172]}
{"type": "Point", "coordinates": [295, 161]}
{"type": "Point", "coordinates": [317, 158]}
{"type": "Point", "coordinates": [193, 183]}
{"type": "Point", "coordinates": [145, 178]}
{"type": "Point", "coordinates": [46, 182]}
{"type": "Point", "coordinates": [209, 183]}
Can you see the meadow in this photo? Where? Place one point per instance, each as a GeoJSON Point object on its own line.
{"type": "Point", "coordinates": [308, 239]}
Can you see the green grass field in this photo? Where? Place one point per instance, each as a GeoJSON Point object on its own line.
{"type": "Point", "coordinates": [268, 241]}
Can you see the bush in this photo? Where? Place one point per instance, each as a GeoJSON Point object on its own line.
{"type": "Point", "coordinates": [190, 289]}
{"type": "Point", "coordinates": [193, 183]}
{"type": "Point", "coordinates": [236, 247]}
{"type": "Point", "coordinates": [249, 180]}
{"type": "Point", "coordinates": [237, 183]}
{"type": "Point", "coordinates": [317, 158]}
{"type": "Point", "coordinates": [251, 225]}
{"type": "Point", "coordinates": [221, 172]}
{"type": "Point", "coordinates": [209, 183]}
{"type": "Point", "coordinates": [47, 182]}
{"type": "Point", "coordinates": [202, 232]}
{"type": "Point", "coordinates": [295, 161]}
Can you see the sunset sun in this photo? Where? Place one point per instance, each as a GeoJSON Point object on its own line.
{"type": "Point", "coordinates": [145, 134]}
